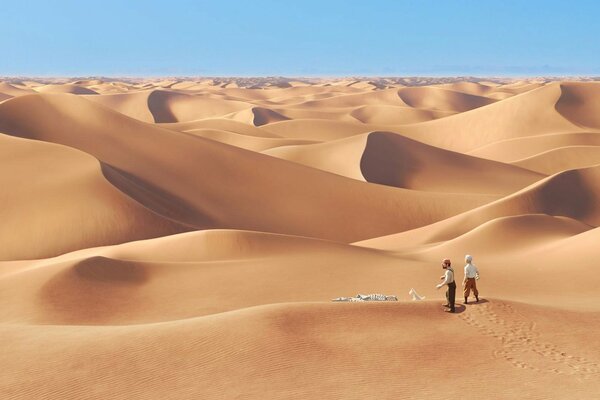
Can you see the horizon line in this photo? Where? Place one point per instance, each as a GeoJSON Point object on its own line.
{"type": "Point", "coordinates": [308, 76]}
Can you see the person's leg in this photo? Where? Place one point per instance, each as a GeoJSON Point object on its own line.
{"type": "Point", "coordinates": [451, 295]}
{"type": "Point", "coordinates": [467, 289]}
{"type": "Point", "coordinates": [475, 291]}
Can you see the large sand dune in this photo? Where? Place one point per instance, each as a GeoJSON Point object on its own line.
{"type": "Point", "coordinates": [183, 239]}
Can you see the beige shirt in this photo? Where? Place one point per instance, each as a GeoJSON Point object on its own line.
{"type": "Point", "coordinates": [448, 278]}
{"type": "Point", "coordinates": [470, 271]}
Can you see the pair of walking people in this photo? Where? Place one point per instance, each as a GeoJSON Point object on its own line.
{"type": "Point", "coordinates": [469, 282]}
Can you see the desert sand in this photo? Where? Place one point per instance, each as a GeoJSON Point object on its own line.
{"type": "Point", "coordinates": [184, 238]}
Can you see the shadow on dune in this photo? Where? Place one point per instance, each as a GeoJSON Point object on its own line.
{"type": "Point", "coordinates": [155, 199]}
{"type": "Point", "coordinates": [103, 269]}
{"type": "Point", "coordinates": [158, 104]}
{"type": "Point", "coordinates": [459, 309]}
{"type": "Point", "coordinates": [580, 103]}
{"type": "Point", "coordinates": [91, 291]}
{"type": "Point", "coordinates": [480, 302]}
{"type": "Point", "coordinates": [394, 160]}
{"type": "Point", "coordinates": [384, 162]}
{"type": "Point", "coordinates": [264, 116]}
{"type": "Point", "coordinates": [571, 193]}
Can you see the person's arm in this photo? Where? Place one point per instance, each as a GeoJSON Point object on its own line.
{"type": "Point", "coordinates": [446, 280]}
{"type": "Point", "coordinates": [464, 282]}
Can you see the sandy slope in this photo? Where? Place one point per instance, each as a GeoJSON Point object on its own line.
{"type": "Point", "coordinates": [317, 129]}
{"type": "Point", "coordinates": [220, 124]}
{"type": "Point", "coordinates": [442, 99]}
{"type": "Point", "coordinates": [390, 159]}
{"type": "Point", "coordinates": [66, 88]}
{"type": "Point", "coordinates": [530, 146]}
{"type": "Point", "coordinates": [561, 159]}
{"type": "Point", "coordinates": [530, 113]}
{"type": "Point", "coordinates": [182, 239]}
{"type": "Point", "coordinates": [57, 198]}
{"type": "Point", "coordinates": [133, 104]}
{"type": "Point", "coordinates": [309, 350]}
{"type": "Point", "coordinates": [142, 160]}
{"type": "Point", "coordinates": [573, 194]}
{"type": "Point", "coordinates": [12, 91]}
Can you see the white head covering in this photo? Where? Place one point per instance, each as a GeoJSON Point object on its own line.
{"type": "Point", "coordinates": [468, 259]}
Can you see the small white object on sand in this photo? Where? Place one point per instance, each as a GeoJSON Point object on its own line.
{"type": "Point", "coordinates": [415, 296]}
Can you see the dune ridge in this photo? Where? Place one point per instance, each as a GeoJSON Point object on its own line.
{"type": "Point", "coordinates": [391, 159]}
{"type": "Point", "coordinates": [147, 155]}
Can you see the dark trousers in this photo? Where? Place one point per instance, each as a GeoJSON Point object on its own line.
{"type": "Point", "coordinates": [451, 295]}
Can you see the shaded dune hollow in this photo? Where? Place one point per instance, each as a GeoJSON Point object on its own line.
{"type": "Point", "coordinates": [394, 160]}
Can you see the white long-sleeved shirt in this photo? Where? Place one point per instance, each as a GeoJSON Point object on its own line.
{"type": "Point", "coordinates": [470, 271]}
{"type": "Point", "coordinates": [448, 277]}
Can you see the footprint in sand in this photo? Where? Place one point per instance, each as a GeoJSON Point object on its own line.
{"type": "Point", "coordinates": [518, 337]}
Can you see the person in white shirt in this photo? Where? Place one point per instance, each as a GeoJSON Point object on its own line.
{"type": "Point", "coordinates": [470, 280]}
{"type": "Point", "coordinates": [448, 279]}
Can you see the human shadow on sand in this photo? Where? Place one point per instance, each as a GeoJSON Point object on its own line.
{"type": "Point", "coordinates": [473, 303]}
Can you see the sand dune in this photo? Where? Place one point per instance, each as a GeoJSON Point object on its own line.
{"type": "Point", "coordinates": [57, 198]}
{"type": "Point", "coordinates": [292, 95]}
{"type": "Point", "coordinates": [12, 91]}
{"type": "Point", "coordinates": [96, 287]}
{"type": "Point", "coordinates": [432, 98]}
{"type": "Point", "coordinates": [183, 238]}
{"type": "Point", "coordinates": [220, 124]}
{"type": "Point", "coordinates": [214, 357]}
{"type": "Point", "coordinates": [134, 104]}
{"type": "Point", "coordinates": [507, 237]}
{"type": "Point", "coordinates": [352, 100]}
{"type": "Point", "coordinates": [177, 107]}
{"type": "Point", "coordinates": [572, 194]}
{"type": "Point", "coordinates": [316, 129]}
{"type": "Point", "coordinates": [143, 159]}
{"type": "Point", "coordinates": [527, 114]}
{"type": "Point", "coordinates": [516, 149]}
{"type": "Point", "coordinates": [580, 103]}
{"type": "Point", "coordinates": [246, 142]}
{"type": "Point", "coordinates": [473, 88]}
{"type": "Point", "coordinates": [561, 159]}
{"type": "Point", "coordinates": [257, 116]}
{"type": "Point", "coordinates": [393, 115]}
{"type": "Point", "coordinates": [66, 88]}
{"type": "Point", "coordinates": [191, 274]}
{"type": "Point", "coordinates": [393, 160]}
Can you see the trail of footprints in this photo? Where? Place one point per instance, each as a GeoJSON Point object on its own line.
{"type": "Point", "coordinates": [518, 337]}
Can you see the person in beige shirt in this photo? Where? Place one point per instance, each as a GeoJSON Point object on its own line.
{"type": "Point", "coordinates": [470, 279]}
{"type": "Point", "coordinates": [448, 279]}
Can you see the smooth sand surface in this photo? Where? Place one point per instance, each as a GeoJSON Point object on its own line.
{"type": "Point", "coordinates": [183, 239]}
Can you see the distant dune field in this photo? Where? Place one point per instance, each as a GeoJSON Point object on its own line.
{"type": "Point", "coordinates": [183, 239]}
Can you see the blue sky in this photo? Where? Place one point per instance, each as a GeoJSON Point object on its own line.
{"type": "Point", "coordinates": [299, 38]}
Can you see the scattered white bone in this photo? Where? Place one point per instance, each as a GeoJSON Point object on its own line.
{"type": "Point", "coordinates": [415, 296]}
{"type": "Point", "coordinates": [368, 297]}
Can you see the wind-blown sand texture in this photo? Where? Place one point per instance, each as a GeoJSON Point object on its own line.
{"type": "Point", "coordinates": [182, 239]}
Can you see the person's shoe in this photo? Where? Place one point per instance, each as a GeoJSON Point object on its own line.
{"type": "Point", "coordinates": [450, 310]}
{"type": "Point", "coordinates": [446, 305]}
{"type": "Point", "coordinates": [466, 301]}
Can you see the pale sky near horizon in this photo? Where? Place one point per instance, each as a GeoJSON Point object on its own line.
{"type": "Point", "coordinates": [299, 38]}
